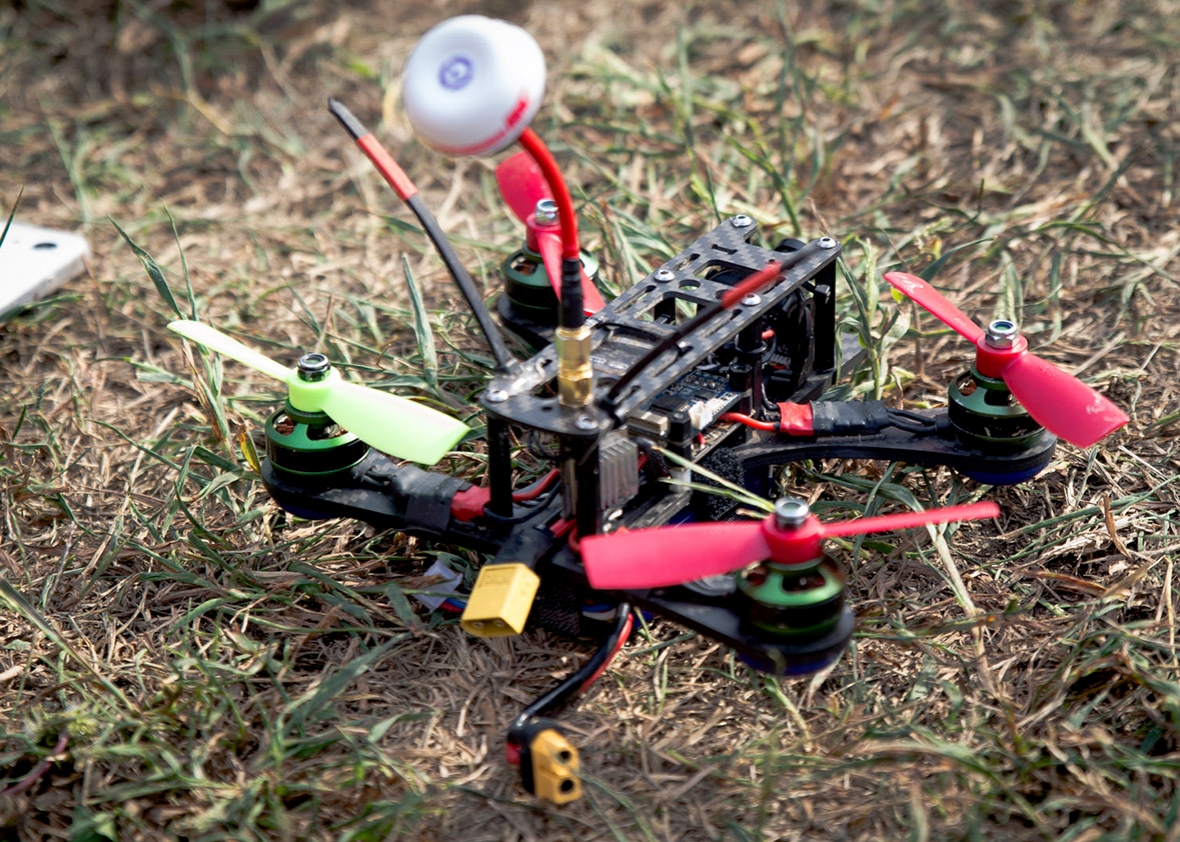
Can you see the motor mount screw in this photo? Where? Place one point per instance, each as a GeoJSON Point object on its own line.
{"type": "Point", "coordinates": [496, 396]}
{"type": "Point", "coordinates": [585, 422]}
{"type": "Point", "coordinates": [790, 512]}
{"type": "Point", "coordinates": [664, 275]}
{"type": "Point", "coordinates": [313, 368]}
{"type": "Point", "coordinates": [751, 299]}
{"type": "Point", "coordinates": [826, 243]}
{"type": "Point", "coordinates": [741, 221]}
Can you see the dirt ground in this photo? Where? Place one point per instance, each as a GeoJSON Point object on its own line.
{"type": "Point", "coordinates": [180, 660]}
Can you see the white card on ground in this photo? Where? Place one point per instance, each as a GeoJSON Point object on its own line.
{"type": "Point", "coordinates": [449, 581]}
{"type": "Point", "coordinates": [35, 261]}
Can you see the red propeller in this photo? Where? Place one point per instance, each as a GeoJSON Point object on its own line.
{"type": "Point", "coordinates": [1059, 402]}
{"type": "Point", "coordinates": [522, 185]}
{"type": "Point", "coordinates": [672, 555]}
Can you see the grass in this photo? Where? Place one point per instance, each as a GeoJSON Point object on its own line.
{"type": "Point", "coordinates": [179, 659]}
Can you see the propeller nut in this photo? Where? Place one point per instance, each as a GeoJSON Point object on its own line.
{"type": "Point", "coordinates": [790, 512]}
{"type": "Point", "coordinates": [546, 212]}
{"type": "Point", "coordinates": [313, 368]}
{"type": "Point", "coordinates": [1002, 334]}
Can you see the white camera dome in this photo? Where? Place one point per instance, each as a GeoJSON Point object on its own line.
{"type": "Point", "coordinates": [472, 85]}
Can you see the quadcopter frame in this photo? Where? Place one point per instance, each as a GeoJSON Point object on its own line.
{"type": "Point", "coordinates": [609, 456]}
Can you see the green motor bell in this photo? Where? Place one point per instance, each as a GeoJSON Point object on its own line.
{"type": "Point", "coordinates": [310, 445]}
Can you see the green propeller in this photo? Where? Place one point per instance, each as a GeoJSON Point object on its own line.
{"type": "Point", "coordinates": [394, 425]}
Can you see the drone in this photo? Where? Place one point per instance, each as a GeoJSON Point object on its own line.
{"type": "Point", "coordinates": [712, 365]}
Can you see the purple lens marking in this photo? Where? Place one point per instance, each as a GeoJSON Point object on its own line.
{"type": "Point", "coordinates": [456, 73]}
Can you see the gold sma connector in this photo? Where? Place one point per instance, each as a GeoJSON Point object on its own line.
{"type": "Point", "coordinates": [575, 374]}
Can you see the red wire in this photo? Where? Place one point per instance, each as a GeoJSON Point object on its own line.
{"type": "Point", "coordinates": [754, 283]}
{"type": "Point", "coordinates": [561, 527]}
{"type": "Point", "coordinates": [393, 174]}
{"type": "Point", "coordinates": [536, 147]}
{"type": "Point", "coordinates": [749, 422]}
{"type": "Point", "coordinates": [537, 488]}
{"type": "Point", "coordinates": [618, 648]}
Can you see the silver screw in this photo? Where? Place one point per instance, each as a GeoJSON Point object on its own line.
{"type": "Point", "coordinates": [585, 422]}
{"type": "Point", "coordinates": [826, 243]}
{"type": "Point", "coordinates": [751, 299]}
{"type": "Point", "coordinates": [741, 221]}
{"type": "Point", "coordinates": [1002, 334]}
{"type": "Point", "coordinates": [664, 275]}
{"type": "Point", "coordinates": [496, 396]}
{"type": "Point", "coordinates": [313, 368]}
{"type": "Point", "coordinates": [546, 212]}
{"type": "Point", "coordinates": [790, 512]}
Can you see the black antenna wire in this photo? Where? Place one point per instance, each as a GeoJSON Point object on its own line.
{"type": "Point", "coordinates": [396, 177]}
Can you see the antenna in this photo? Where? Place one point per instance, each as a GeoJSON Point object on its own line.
{"type": "Point", "coordinates": [408, 192]}
{"type": "Point", "coordinates": [471, 86]}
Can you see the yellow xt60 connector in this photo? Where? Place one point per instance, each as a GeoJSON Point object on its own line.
{"type": "Point", "coordinates": [555, 768]}
{"type": "Point", "coordinates": [500, 601]}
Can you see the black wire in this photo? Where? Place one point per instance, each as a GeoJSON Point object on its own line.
{"type": "Point", "coordinates": [910, 415]}
{"type": "Point", "coordinates": [347, 119]}
{"type": "Point", "coordinates": [530, 507]}
{"type": "Point", "coordinates": [911, 428]}
{"type": "Point", "coordinates": [537, 449]}
{"type": "Point", "coordinates": [771, 348]}
{"type": "Point", "coordinates": [504, 358]}
{"type": "Point", "coordinates": [911, 422]}
{"type": "Point", "coordinates": [528, 489]}
{"type": "Point", "coordinates": [669, 341]}
{"type": "Point", "coordinates": [537, 503]}
{"type": "Point", "coordinates": [573, 313]}
{"type": "Point", "coordinates": [560, 696]}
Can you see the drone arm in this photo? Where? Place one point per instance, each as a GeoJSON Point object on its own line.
{"type": "Point", "coordinates": [387, 495]}
{"type": "Point", "coordinates": [838, 418]}
{"type": "Point", "coordinates": [938, 446]}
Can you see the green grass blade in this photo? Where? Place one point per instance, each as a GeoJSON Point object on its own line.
{"type": "Point", "coordinates": [11, 216]}
{"type": "Point", "coordinates": [153, 270]}
{"type": "Point", "coordinates": [422, 331]}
